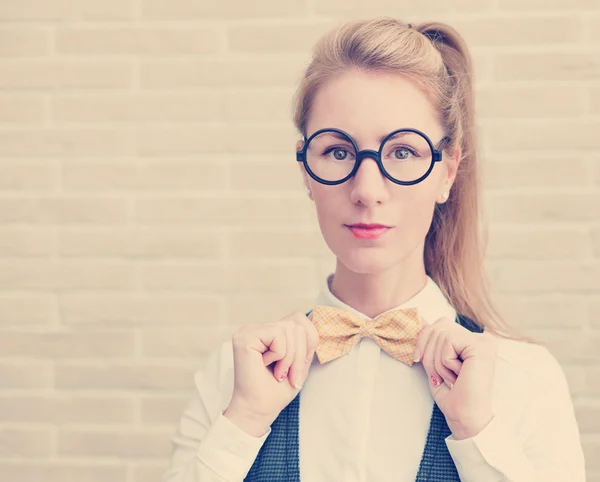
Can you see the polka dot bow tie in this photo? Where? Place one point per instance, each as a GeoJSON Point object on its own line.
{"type": "Point", "coordinates": [395, 331]}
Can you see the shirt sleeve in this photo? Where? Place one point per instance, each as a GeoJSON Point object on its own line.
{"type": "Point", "coordinates": [207, 446]}
{"type": "Point", "coordinates": [551, 451]}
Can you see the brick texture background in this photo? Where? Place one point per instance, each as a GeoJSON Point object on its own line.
{"type": "Point", "coordinates": [150, 203]}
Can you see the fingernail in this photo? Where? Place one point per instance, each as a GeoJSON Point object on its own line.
{"type": "Point", "coordinates": [282, 376]}
{"type": "Point", "coordinates": [297, 385]}
{"type": "Point", "coordinates": [417, 355]}
{"type": "Point", "coordinates": [435, 381]}
{"type": "Point", "coordinates": [306, 360]}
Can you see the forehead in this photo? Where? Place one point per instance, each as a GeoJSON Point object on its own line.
{"type": "Point", "coordinates": [368, 105]}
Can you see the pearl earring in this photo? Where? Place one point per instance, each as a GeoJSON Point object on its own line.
{"type": "Point", "coordinates": [445, 195]}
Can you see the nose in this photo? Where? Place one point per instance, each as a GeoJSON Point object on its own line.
{"type": "Point", "coordinates": [368, 185]}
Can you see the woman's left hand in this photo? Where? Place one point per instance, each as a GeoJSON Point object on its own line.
{"type": "Point", "coordinates": [464, 364]}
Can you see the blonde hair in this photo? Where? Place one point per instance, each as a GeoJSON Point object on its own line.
{"type": "Point", "coordinates": [436, 58]}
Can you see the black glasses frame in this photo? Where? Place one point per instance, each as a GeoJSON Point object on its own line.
{"type": "Point", "coordinates": [376, 155]}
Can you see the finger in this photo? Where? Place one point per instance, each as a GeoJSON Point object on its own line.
{"type": "Point", "coordinates": [422, 340]}
{"type": "Point", "coordinates": [275, 343]}
{"type": "Point", "coordinates": [282, 367]}
{"type": "Point", "coordinates": [312, 336]}
{"type": "Point", "coordinates": [449, 358]}
{"type": "Point", "coordinates": [441, 342]}
{"type": "Point", "coordinates": [429, 360]}
{"type": "Point", "coordinates": [296, 374]}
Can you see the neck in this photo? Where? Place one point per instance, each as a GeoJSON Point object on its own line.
{"type": "Point", "coordinates": [375, 293]}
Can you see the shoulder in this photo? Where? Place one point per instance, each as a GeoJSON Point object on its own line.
{"type": "Point", "coordinates": [527, 370]}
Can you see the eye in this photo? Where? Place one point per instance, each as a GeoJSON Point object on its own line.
{"type": "Point", "coordinates": [403, 153]}
{"type": "Point", "coordinates": [339, 153]}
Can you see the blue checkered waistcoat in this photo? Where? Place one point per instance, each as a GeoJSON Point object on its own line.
{"type": "Point", "coordinates": [278, 458]}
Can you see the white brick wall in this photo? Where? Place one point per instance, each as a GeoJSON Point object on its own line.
{"type": "Point", "coordinates": [150, 203]}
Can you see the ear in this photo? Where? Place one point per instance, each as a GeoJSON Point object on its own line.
{"type": "Point", "coordinates": [451, 162]}
{"type": "Point", "coordinates": [306, 178]}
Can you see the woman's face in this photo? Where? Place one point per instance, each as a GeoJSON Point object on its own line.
{"type": "Point", "coordinates": [369, 106]}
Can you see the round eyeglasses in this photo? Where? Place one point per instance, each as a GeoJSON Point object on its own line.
{"type": "Point", "coordinates": [405, 156]}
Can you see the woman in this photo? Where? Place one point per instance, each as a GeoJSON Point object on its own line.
{"type": "Point", "coordinates": [416, 377]}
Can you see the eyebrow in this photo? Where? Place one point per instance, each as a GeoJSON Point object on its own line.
{"type": "Point", "coordinates": [341, 137]}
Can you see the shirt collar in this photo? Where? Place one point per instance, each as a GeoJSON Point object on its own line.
{"type": "Point", "coordinates": [430, 301]}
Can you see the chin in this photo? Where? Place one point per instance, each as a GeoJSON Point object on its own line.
{"type": "Point", "coordinates": [365, 261]}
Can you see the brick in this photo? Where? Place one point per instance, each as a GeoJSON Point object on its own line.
{"type": "Point", "coordinates": [547, 276]}
{"type": "Point", "coordinates": [549, 311]}
{"type": "Point", "coordinates": [544, 4]}
{"type": "Point", "coordinates": [67, 9]}
{"type": "Point", "coordinates": [60, 471]}
{"type": "Point", "coordinates": [21, 442]}
{"type": "Point", "coordinates": [267, 176]}
{"type": "Point", "coordinates": [570, 347]}
{"type": "Point", "coordinates": [542, 243]}
{"type": "Point", "coordinates": [81, 210]}
{"type": "Point", "coordinates": [142, 108]}
{"type": "Point", "coordinates": [115, 443]}
{"type": "Point", "coordinates": [184, 344]}
{"type": "Point", "coordinates": [588, 417]}
{"type": "Point", "coordinates": [64, 142]}
{"type": "Point", "coordinates": [29, 176]}
{"type": "Point", "coordinates": [593, 24]}
{"type": "Point", "coordinates": [23, 108]}
{"type": "Point", "coordinates": [118, 310]}
{"type": "Point", "coordinates": [562, 134]}
{"type": "Point", "coordinates": [207, 139]}
{"type": "Point", "coordinates": [156, 141]}
{"type": "Point", "coordinates": [24, 42]}
{"type": "Point", "coordinates": [78, 275]}
{"type": "Point", "coordinates": [16, 242]}
{"type": "Point", "coordinates": [274, 243]}
{"type": "Point", "coordinates": [594, 103]}
{"type": "Point", "coordinates": [595, 312]}
{"type": "Point", "coordinates": [26, 375]}
{"type": "Point", "coordinates": [137, 41]}
{"type": "Point", "coordinates": [591, 378]}
{"type": "Point", "coordinates": [183, 277]}
{"type": "Point", "coordinates": [546, 66]}
{"type": "Point", "coordinates": [521, 170]}
{"type": "Point", "coordinates": [162, 410]}
{"type": "Point", "coordinates": [524, 30]}
{"type": "Point", "coordinates": [65, 74]}
{"type": "Point", "coordinates": [65, 344]}
{"type": "Point", "coordinates": [130, 376]}
{"type": "Point", "coordinates": [143, 473]}
{"type": "Point", "coordinates": [258, 105]}
{"type": "Point", "coordinates": [28, 309]}
{"type": "Point", "coordinates": [219, 211]}
{"type": "Point", "coordinates": [275, 38]}
{"type": "Point", "coordinates": [591, 453]}
{"type": "Point", "coordinates": [139, 242]}
{"type": "Point", "coordinates": [186, 9]}
{"type": "Point", "coordinates": [159, 174]}
{"type": "Point", "coordinates": [263, 307]}
{"type": "Point", "coordinates": [393, 8]}
{"type": "Point", "coordinates": [272, 140]}
{"type": "Point", "coordinates": [542, 207]}
{"type": "Point", "coordinates": [45, 210]}
{"type": "Point", "coordinates": [34, 10]}
{"type": "Point", "coordinates": [499, 100]}
{"type": "Point", "coordinates": [262, 72]}
{"type": "Point", "coordinates": [67, 410]}
{"type": "Point", "coordinates": [264, 277]}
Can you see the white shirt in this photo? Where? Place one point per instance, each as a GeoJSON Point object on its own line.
{"type": "Point", "coordinates": [364, 417]}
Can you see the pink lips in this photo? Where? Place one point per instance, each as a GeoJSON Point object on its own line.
{"type": "Point", "coordinates": [368, 231]}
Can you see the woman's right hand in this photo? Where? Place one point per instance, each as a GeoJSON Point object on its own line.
{"type": "Point", "coordinates": [270, 366]}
